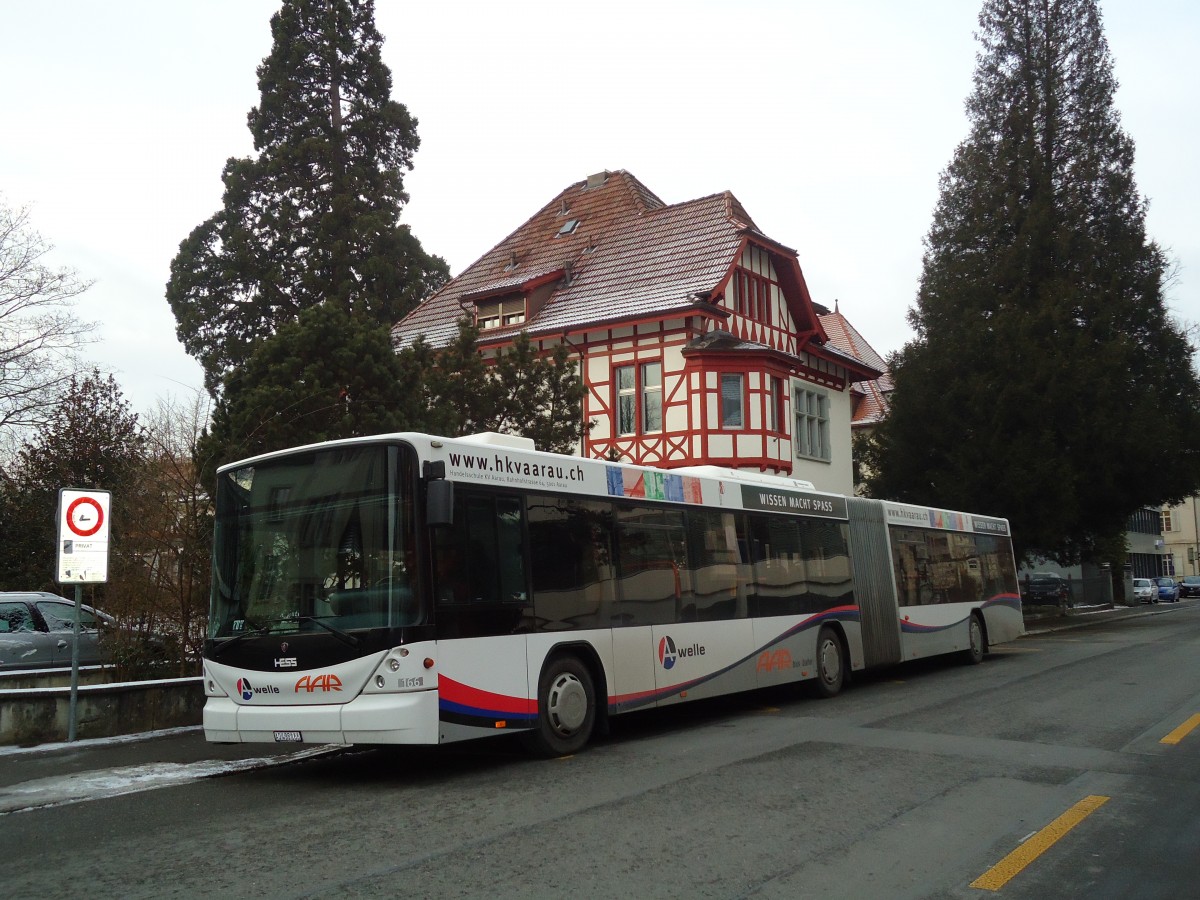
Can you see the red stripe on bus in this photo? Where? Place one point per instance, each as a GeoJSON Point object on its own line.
{"type": "Point", "coordinates": [457, 692]}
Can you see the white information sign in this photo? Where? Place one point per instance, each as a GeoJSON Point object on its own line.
{"type": "Point", "coordinates": [83, 519]}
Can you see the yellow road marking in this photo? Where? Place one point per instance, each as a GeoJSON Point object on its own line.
{"type": "Point", "coordinates": [1009, 867]}
{"type": "Point", "coordinates": [1182, 731]}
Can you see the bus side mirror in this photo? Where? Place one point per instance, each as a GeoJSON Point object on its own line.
{"type": "Point", "coordinates": [439, 504]}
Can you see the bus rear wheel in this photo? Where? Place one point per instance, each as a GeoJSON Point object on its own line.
{"type": "Point", "coordinates": [566, 708]}
{"type": "Point", "coordinates": [831, 668]}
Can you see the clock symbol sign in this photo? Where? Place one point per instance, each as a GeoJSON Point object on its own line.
{"type": "Point", "coordinates": [85, 516]}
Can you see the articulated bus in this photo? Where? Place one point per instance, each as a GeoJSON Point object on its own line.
{"type": "Point", "coordinates": [411, 589]}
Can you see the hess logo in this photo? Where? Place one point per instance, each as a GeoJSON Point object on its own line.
{"type": "Point", "coordinates": [323, 683]}
{"type": "Point", "coordinates": [669, 654]}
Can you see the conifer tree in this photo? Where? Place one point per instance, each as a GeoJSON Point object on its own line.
{"type": "Point", "coordinates": [313, 217]}
{"type": "Point", "coordinates": [522, 392]}
{"type": "Point", "coordinates": [91, 440]}
{"type": "Point", "coordinates": [1046, 381]}
{"type": "Point", "coordinates": [328, 375]}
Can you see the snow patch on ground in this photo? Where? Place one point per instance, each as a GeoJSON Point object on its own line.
{"type": "Point", "coordinates": [83, 786]}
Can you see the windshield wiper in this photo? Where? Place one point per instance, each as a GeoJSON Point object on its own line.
{"type": "Point", "coordinates": [266, 629]}
{"type": "Point", "coordinates": [336, 632]}
{"type": "Point", "coordinates": [238, 638]}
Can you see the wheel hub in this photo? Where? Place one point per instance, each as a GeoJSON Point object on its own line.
{"type": "Point", "coordinates": [568, 704]}
{"type": "Point", "coordinates": [830, 663]}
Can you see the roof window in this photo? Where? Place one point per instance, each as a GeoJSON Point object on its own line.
{"type": "Point", "coordinates": [569, 226]}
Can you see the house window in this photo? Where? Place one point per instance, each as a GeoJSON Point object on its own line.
{"type": "Point", "coordinates": [774, 405]}
{"type": "Point", "coordinates": [812, 424]}
{"type": "Point", "coordinates": [752, 295]}
{"type": "Point", "coordinates": [732, 405]}
{"type": "Point", "coordinates": [494, 313]}
{"type": "Point", "coordinates": [639, 400]}
{"type": "Point", "coordinates": [651, 397]}
{"type": "Point", "coordinates": [1166, 521]}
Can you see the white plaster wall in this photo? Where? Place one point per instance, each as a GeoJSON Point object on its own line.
{"type": "Point", "coordinates": [836, 476]}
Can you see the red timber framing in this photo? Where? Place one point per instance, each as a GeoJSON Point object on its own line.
{"type": "Point", "coordinates": [636, 344]}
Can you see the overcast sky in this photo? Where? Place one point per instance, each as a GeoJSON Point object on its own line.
{"type": "Point", "coordinates": [830, 122]}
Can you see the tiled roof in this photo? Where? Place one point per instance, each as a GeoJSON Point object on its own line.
{"type": "Point", "coordinates": [506, 284]}
{"type": "Point", "coordinates": [625, 256]}
{"type": "Point", "coordinates": [602, 208]}
{"type": "Point", "coordinates": [629, 256]}
{"type": "Point", "coordinates": [872, 404]}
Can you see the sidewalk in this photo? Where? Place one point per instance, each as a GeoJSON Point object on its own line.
{"type": "Point", "coordinates": [1078, 617]}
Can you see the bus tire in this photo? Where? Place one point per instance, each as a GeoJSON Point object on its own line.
{"type": "Point", "coordinates": [566, 708]}
{"type": "Point", "coordinates": [831, 664]}
{"type": "Point", "coordinates": [976, 641]}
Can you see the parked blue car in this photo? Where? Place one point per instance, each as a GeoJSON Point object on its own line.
{"type": "Point", "coordinates": [1168, 590]}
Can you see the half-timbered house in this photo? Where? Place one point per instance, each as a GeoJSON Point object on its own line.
{"type": "Point", "coordinates": [695, 333]}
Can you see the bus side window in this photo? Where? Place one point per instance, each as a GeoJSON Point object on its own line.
{"type": "Point", "coordinates": [510, 562]}
{"type": "Point", "coordinates": [714, 554]}
{"type": "Point", "coordinates": [570, 562]}
{"type": "Point", "coordinates": [480, 567]}
{"type": "Point", "coordinates": [654, 578]}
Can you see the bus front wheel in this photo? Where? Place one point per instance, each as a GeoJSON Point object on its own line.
{"type": "Point", "coordinates": [566, 708]}
{"type": "Point", "coordinates": [831, 668]}
{"type": "Point", "coordinates": [976, 643]}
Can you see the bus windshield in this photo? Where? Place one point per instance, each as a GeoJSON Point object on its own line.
{"type": "Point", "coordinates": [315, 541]}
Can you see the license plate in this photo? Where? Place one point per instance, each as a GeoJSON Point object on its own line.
{"type": "Point", "coordinates": [284, 737]}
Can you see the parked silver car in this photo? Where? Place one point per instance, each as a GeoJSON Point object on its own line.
{"type": "Point", "coordinates": [1145, 590]}
{"type": "Point", "coordinates": [36, 631]}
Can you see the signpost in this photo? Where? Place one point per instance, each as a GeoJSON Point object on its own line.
{"type": "Point", "coordinates": [83, 527]}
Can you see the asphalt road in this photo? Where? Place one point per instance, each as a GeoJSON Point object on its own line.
{"type": "Point", "coordinates": [916, 782]}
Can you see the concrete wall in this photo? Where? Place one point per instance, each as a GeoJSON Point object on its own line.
{"type": "Point", "coordinates": [42, 714]}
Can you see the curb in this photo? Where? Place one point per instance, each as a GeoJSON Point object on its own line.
{"type": "Point", "coordinates": [1083, 619]}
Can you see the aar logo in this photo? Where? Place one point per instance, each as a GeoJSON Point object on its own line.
{"type": "Point", "coordinates": [323, 683]}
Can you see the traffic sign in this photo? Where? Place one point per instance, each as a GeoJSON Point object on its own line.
{"type": "Point", "coordinates": [83, 527]}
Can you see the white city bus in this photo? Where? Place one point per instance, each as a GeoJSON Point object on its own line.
{"type": "Point", "coordinates": [409, 589]}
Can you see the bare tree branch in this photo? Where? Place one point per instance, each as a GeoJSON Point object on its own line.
{"type": "Point", "coordinates": [39, 333]}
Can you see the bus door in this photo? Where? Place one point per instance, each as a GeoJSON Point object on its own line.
{"type": "Point", "coordinates": [683, 565]}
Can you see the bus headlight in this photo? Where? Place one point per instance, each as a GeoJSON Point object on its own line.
{"type": "Point", "coordinates": [379, 682]}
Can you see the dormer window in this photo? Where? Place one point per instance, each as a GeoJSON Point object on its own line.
{"type": "Point", "coordinates": [503, 312]}
{"type": "Point", "coordinates": [512, 302]}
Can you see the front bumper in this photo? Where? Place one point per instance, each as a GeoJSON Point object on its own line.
{"type": "Point", "coordinates": [410, 718]}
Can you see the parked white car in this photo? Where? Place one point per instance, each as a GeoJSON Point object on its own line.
{"type": "Point", "coordinates": [1145, 590]}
